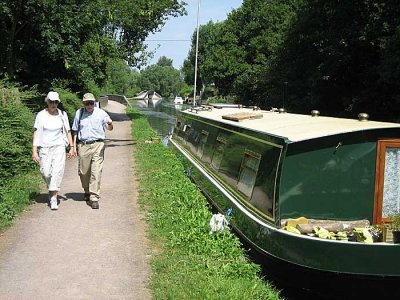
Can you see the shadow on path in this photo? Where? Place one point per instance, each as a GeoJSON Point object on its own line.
{"type": "Point", "coordinates": [119, 142]}
{"type": "Point", "coordinates": [118, 117]}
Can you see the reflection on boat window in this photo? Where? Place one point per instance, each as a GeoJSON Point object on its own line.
{"type": "Point", "coordinates": [248, 172]}
{"type": "Point", "coordinates": [203, 141]}
{"type": "Point", "coordinates": [219, 148]}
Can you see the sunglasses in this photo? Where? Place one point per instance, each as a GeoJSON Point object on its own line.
{"type": "Point", "coordinates": [89, 103]}
{"type": "Point", "coordinates": [53, 102]}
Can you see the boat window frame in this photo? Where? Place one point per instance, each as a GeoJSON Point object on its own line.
{"type": "Point", "coordinates": [186, 128]}
{"type": "Point", "coordinates": [202, 142]}
{"type": "Point", "coordinates": [381, 147]}
{"type": "Point", "coordinates": [219, 140]}
{"type": "Point", "coordinates": [243, 166]}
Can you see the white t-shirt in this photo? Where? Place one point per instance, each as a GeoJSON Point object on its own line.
{"type": "Point", "coordinates": [50, 129]}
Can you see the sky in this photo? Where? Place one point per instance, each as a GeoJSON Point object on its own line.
{"type": "Point", "coordinates": [173, 41]}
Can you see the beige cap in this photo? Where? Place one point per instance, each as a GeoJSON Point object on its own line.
{"type": "Point", "coordinates": [52, 96]}
{"type": "Point", "coordinates": [88, 97]}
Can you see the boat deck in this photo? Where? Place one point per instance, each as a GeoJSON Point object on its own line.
{"type": "Point", "coordinates": [293, 127]}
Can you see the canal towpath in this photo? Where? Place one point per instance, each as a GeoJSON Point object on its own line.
{"type": "Point", "coordinates": [77, 252]}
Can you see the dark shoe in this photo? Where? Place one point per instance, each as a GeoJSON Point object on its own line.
{"type": "Point", "coordinates": [86, 197]}
{"type": "Point", "coordinates": [95, 205]}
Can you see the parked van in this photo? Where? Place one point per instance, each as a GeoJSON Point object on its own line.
{"type": "Point", "coordinates": [178, 100]}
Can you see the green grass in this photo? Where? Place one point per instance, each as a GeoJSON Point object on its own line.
{"type": "Point", "coordinates": [17, 194]}
{"type": "Point", "coordinates": [187, 262]}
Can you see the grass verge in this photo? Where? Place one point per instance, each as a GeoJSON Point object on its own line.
{"type": "Point", "coordinates": [17, 194]}
{"type": "Point", "coordinates": [187, 262]}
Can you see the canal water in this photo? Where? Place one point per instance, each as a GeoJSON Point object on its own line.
{"type": "Point", "coordinates": [160, 114]}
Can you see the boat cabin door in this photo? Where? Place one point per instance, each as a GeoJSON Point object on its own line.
{"type": "Point", "coordinates": [387, 180]}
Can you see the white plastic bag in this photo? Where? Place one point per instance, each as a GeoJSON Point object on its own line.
{"type": "Point", "coordinates": [218, 222]}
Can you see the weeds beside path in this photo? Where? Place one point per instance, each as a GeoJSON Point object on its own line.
{"type": "Point", "coordinates": [77, 252]}
{"type": "Point", "coordinates": [188, 262]}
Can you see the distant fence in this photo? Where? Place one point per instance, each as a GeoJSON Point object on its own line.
{"type": "Point", "coordinates": [119, 98]}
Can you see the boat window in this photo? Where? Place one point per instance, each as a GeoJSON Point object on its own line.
{"type": "Point", "coordinates": [248, 172]}
{"type": "Point", "coordinates": [179, 128]}
{"type": "Point", "coordinates": [387, 184]}
{"type": "Point", "coordinates": [202, 144]}
{"type": "Point", "coordinates": [219, 148]}
{"type": "Point", "coordinates": [189, 133]}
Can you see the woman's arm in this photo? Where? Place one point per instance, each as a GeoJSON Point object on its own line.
{"type": "Point", "coordinates": [72, 146]}
{"type": "Point", "coordinates": [35, 155]}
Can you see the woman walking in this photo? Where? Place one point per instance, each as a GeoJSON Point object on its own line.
{"type": "Point", "coordinates": [51, 135]}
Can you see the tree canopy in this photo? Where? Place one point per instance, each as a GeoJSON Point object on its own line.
{"type": "Point", "coordinates": [162, 78]}
{"type": "Point", "coordinates": [73, 40]}
{"type": "Point", "coordinates": [340, 57]}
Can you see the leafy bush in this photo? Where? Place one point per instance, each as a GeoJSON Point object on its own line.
{"type": "Point", "coordinates": [216, 100]}
{"type": "Point", "coordinates": [16, 129]}
{"type": "Point", "coordinates": [394, 224]}
{"type": "Point", "coordinates": [70, 102]}
{"type": "Point", "coordinates": [18, 182]}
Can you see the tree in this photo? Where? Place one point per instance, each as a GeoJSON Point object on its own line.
{"type": "Point", "coordinates": [164, 62]}
{"type": "Point", "coordinates": [46, 39]}
{"type": "Point", "coordinates": [204, 57]}
{"type": "Point", "coordinates": [222, 59]}
{"type": "Point", "coordinates": [161, 77]}
{"type": "Point", "coordinates": [236, 54]}
{"type": "Point", "coordinates": [389, 77]}
{"type": "Point", "coordinates": [260, 28]}
{"type": "Point", "coordinates": [336, 54]}
{"type": "Point", "coordinates": [338, 57]}
{"type": "Point", "coordinates": [121, 79]}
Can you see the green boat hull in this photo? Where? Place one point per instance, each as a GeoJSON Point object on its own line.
{"type": "Point", "coordinates": [327, 178]}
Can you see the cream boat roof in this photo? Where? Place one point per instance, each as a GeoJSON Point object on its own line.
{"type": "Point", "coordinates": [294, 127]}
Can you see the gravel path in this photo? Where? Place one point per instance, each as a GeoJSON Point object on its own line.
{"type": "Point", "coordinates": [77, 252]}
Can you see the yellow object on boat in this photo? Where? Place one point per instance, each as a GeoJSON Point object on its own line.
{"type": "Point", "coordinates": [292, 229]}
{"type": "Point", "coordinates": [294, 222]}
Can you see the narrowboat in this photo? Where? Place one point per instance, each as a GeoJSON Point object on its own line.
{"type": "Point", "coordinates": [311, 194]}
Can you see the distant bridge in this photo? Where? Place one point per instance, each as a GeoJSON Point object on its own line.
{"type": "Point", "coordinates": [118, 98]}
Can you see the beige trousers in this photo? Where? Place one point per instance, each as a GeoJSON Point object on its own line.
{"type": "Point", "coordinates": [91, 158]}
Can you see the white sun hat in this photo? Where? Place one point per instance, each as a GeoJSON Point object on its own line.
{"type": "Point", "coordinates": [52, 96]}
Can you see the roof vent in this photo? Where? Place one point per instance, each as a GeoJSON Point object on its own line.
{"type": "Point", "coordinates": [239, 117]}
{"type": "Point", "coordinates": [281, 110]}
{"type": "Point", "coordinates": [315, 113]}
{"type": "Point", "coordinates": [363, 117]}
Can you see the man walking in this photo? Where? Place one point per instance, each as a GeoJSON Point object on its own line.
{"type": "Point", "coordinates": [89, 127]}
